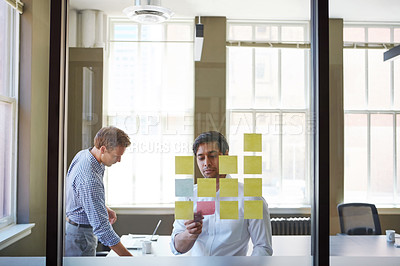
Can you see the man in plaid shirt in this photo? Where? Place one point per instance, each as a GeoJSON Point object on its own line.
{"type": "Point", "coordinates": [88, 217]}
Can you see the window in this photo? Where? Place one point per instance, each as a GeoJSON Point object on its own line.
{"type": "Point", "coordinates": [268, 92]}
{"type": "Point", "coordinates": [372, 115]}
{"type": "Point", "coordinates": [150, 96]}
{"type": "Point", "coordinates": [8, 112]}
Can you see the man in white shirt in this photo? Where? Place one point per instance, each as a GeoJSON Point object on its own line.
{"type": "Point", "coordinates": [210, 235]}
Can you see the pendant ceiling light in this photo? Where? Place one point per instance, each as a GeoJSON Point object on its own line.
{"type": "Point", "coordinates": [148, 12]}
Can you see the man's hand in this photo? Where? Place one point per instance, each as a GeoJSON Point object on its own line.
{"type": "Point", "coordinates": [184, 241]}
{"type": "Point", "coordinates": [112, 215]}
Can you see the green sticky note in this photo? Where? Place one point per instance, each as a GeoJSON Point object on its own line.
{"type": "Point", "coordinates": [206, 187]}
{"type": "Point", "coordinates": [229, 210]}
{"type": "Point", "coordinates": [228, 187]}
{"type": "Point", "coordinates": [253, 209]}
{"type": "Point", "coordinates": [252, 164]}
{"type": "Point", "coordinates": [184, 165]}
{"type": "Point", "coordinates": [252, 142]}
{"type": "Point", "coordinates": [184, 187]}
{"type": "Point", "coordinates": [228, 164]}
{"type": "Point", "coordinates": [252, 187]}
{"type": "Point", "coordinates": [184, 210]}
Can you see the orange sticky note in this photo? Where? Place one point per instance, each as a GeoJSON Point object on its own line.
{"type": "Point", "coordinates": [253, 209]}
{"type": "Point", "coordinates": [228, 187]}
{"type": "Point", "coordinates": [252, 165]}
{"type": "Point", "coordinates": [184, 210]}
{"type": "Point", "coordinates": [206, 187]}
{"type": "Point", "coordinates": [252, 142]}
{"type": "Point", "coordinates": [184, 165]}
{"type": "Point", "coordinates": [229, 210]}
{"type": "Point", "coordinates": [228, 164]}
{"type": "Point", "coordinates": [252, 187]}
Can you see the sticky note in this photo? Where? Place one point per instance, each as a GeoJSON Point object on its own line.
{"type": "Point", "coordinates": [252, 187]}
{"type": "Point", "coordinates": [252, 164]}
{"type": "Point", "coordinates": [253, 209]}
{"type": "Point", "coordinates": [206, 187]}
{"type": "Point", "coordinates": [184, 210]}
{"type": "Point", "coordinates": [184, 187]}
{"type": "Point", "coordinates": [184, 165]}
{"type": "Point", "coordinates": [227, 164]}
{"type": "Point", "coordinates": [229, 210]}
{"type": "Point", "coordinates": [228, 187]}
{"type": "Point", "coordinates": [206, 207]}
{"type": "Point", "coordinates": [252, 142]}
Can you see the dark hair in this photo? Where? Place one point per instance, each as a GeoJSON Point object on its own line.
{"type": "Point", "coordinates": [211, 136]}
{"type": "Point", "coordinates": [111, 137]}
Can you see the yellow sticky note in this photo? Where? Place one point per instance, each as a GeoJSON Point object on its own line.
{"type": "Point", "coordinates": [252, 164]}
{"type": "Point", "coordinates": [253, 209]}
{"type": "Point", "coordinates": [184, 165]}
{"type": "Point", "coordinates": [184, 210]}
{"type": "Point", "coordinates": [206, 187]}
{"type": "Point", "coordinates": [227, 164]}
{"type": "Point", "coordinates": [229, 210]}
{"type": "Point", "coordinates": [252, 142]}
{"type": "Point", "coordinates": [228, 187]}
{"type": "Point", "coordinates": [252, 187]}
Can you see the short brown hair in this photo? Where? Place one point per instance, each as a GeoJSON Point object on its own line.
{"type": "Point", "coordinates": [111, 137]}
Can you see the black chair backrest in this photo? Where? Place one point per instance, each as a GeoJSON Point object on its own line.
{"type": "Point", "coordinates": [359, 219]}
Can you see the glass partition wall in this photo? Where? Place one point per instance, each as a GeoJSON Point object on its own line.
{"type": "Point", "coordinates": [151, 87]}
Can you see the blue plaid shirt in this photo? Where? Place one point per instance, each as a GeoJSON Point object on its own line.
{"type": "Point", "coordinates": [85, 197]}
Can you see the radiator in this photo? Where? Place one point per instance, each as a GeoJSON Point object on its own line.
{"type": "Point", "coordinates": [291, 226]}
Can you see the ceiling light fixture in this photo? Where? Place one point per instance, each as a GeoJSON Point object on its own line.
{"type": "Point", "coordinates": [148, 12]}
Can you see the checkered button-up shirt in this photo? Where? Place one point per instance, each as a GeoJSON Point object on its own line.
{"type": "Point", "coordinates": [85, 197]}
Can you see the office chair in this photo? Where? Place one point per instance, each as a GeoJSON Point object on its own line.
{"type": "Point", "coordinates": [359, 219]}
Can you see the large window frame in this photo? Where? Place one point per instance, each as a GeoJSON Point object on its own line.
{"type": "Point", "coordinates": [9, 96]}
{"type": "Point", "coordinates": [275, 39]}
{"type": "Point", "coordinates": [365, 115]}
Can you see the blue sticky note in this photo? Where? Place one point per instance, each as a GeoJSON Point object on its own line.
{"type": "Point", "coordinates": [184, 187]}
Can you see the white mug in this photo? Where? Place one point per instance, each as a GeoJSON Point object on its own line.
{"type": "Point", "coordinates": [146, 247]}
{"type": "Point", "coordinates": [390, 235]}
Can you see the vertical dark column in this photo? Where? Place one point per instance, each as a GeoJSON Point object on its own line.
{"type": "Point", "coordinates": [55, 161]}
{"type": "Point", "coordinates": [320, 112]}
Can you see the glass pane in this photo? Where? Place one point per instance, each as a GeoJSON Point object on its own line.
{"type": "Point", "coordinates": [354, 79]}
{"type": "Point", "coordinates": [379, 35]}
{"type": "Point", "coordinates": [293, 78]}
{"type": "Point", "coordinates": [355, 158]}
{"type": "Point", "coordinates": [240, 78]}
{"type": "Point", "coordinates": [294, 158]}
{"type": "Point", "coordinates": [4, 49]}
{"type": "Point", "coordinates": [179, 32]}
{"type": "Point", "coordinates": [382, 158]}
{"type": "Point", "coordinates": [240, 33]}
{"type": "Point", "coordinates": [125, 32]}
{"type": "Point", "coordinates": [266, 33]}
{"type": "Point", "coordinates": [266, 78]}
{"type": "Point", "coordinates": [396, 84]}
{"type": "Point", "coordinates": [396, 35]}
{"type": "Point", "coordinates": [152, 32]}
{"type": "Point", "coordinates": [268, 124]}
{"type": "Point", "coordinates": [292, 34]}
{"type": "Point", "coordinates": [355, 34]}
{"type": "Point", "coordinates": [6, 140]}
{"type": "Point", "coordinates": [378, 81]}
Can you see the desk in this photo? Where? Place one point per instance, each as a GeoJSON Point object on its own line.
{"type": "Point", "coordinates": [297, 246]}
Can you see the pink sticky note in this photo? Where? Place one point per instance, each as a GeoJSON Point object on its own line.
{"type": "Point", "coordinates": [206, 207]}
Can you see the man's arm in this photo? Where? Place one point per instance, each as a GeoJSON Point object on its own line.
{"type": "Point", "coordinates": [184, 241]}
{"type": "Point", "coordinates": [261, 233]}
{"type": "Point", "coordinates": [121, 250]}
{"type": "Point", "coordinates": [112, 215]}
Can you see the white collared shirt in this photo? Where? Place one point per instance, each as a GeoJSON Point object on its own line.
{"type": "Point", "coordinates": [221, 237]}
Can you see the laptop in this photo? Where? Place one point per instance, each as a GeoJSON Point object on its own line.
{"type": "Point", "coordinates": [133, 241]}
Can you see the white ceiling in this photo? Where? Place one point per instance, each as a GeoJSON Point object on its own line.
{"type": "Point", "coordinates": [349, 10]}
